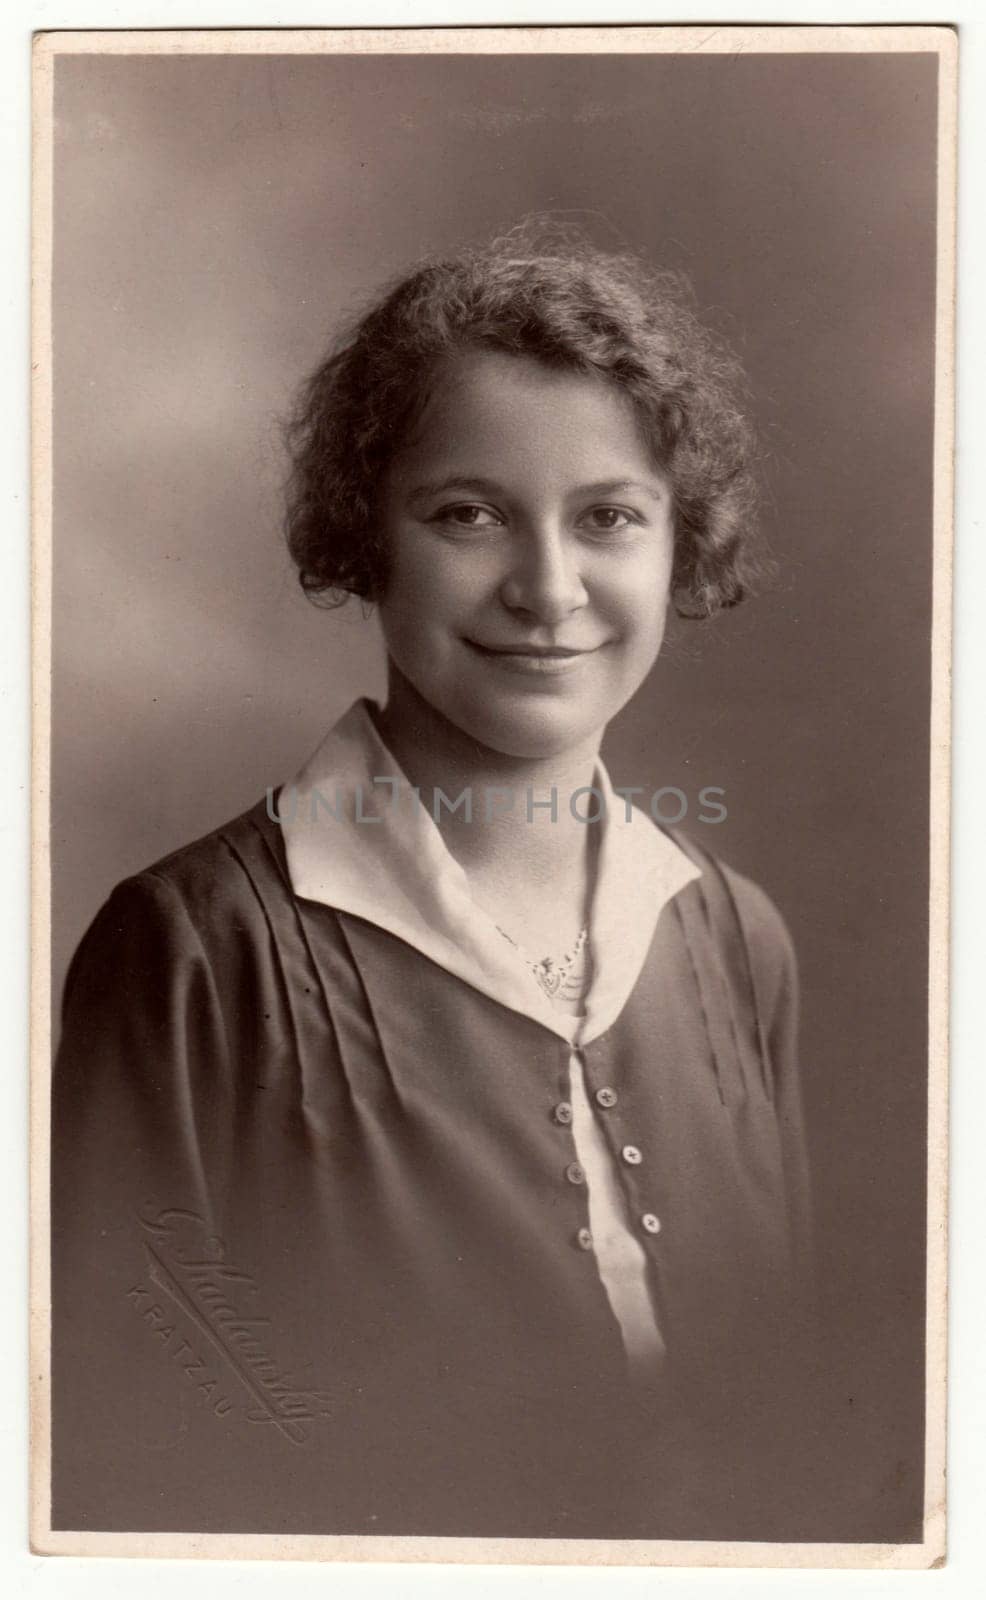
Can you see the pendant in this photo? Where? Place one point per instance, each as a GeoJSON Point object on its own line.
{"type": "Point", "coordinates": [550, 981]}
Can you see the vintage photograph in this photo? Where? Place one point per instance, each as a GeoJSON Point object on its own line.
{"type": "Point", "coordinates": [493, 531]}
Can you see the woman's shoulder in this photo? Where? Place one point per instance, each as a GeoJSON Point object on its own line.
{"type": "Point", "coordinates": [225, 861]}
{"type": "Point", "coordinates": [737, 907]}
{"type": "Point", "coordinates": [763, 922]}
{"type": "Point", "coordinates": [209, 887]}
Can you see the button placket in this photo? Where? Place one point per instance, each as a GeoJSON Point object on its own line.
{"type": "Point", "coordinates": [632, 1157]}
{"type": "Point", "coordinates": [645, 1220]}
{"type": "Point", "coordinates": [605, 1097]}
{"type": "Point", "coordinates": [627, 1155]}
{"type": "Point", "coordinates": [562, 1115]}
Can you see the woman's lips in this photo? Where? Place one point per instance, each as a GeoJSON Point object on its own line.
{"type": "Point", "coordinates": [541, 660]}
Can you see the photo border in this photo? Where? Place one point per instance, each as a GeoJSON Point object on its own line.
{"type": "Point", "coordinates": [695, 38]}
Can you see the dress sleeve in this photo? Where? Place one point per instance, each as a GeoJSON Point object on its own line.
{"type": "Point", "coordinates": [139, 1124]}
{"type": "Point", "coordinates": [774, 974]}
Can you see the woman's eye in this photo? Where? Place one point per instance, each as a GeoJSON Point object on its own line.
{"type": "Point", "coordinates": [468, 516]}
{"type": "Point", "coordinates": [608, 519]}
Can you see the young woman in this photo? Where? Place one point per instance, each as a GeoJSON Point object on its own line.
{"type": "Point", "coordinates": [427, 1147]}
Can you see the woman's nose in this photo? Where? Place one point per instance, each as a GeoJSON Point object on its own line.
{"type": "Point", "coordinates": [545, 580]}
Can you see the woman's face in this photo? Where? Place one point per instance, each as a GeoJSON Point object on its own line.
{"type": "Point", "coordinates": [529, 540]}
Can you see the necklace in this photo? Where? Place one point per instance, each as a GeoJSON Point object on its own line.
{"type": "Point", "coordinates": [563, 978]}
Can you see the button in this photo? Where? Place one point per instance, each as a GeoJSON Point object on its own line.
{"type": "Point", "coordinates": [563, 1112]}
{"type": "Point", "coordinates": [650, 1223]}
{"type": "Point", "coordinates": [574, 1173]}
{"type": "Point", "coordinates": [631, 1155]}
{"type": "Point", "coordinates": [606, 1098]}
{"type": "Point", "coordinates": [584, 1238]}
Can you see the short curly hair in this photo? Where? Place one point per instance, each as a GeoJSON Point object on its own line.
{"type": "Point", "coordinates": [570, 305]}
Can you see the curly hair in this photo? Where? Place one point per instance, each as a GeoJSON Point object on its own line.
{"type": "Point", "coordinates": [566, 303]}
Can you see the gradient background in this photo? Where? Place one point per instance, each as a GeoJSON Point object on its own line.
{"type": "Point", "coordinates": [213, 219]}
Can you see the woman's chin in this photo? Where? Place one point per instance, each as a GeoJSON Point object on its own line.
{"type": "Point", "coordinates": [534, 735]}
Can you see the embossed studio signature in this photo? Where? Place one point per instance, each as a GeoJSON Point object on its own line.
{"type": "Point", "coordinates": [189, 1267]}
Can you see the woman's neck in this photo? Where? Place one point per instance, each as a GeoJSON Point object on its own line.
{"type": "Point", "coordinates": [528, 859]}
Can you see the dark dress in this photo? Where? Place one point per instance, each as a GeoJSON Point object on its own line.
{"type": "Point", "coordinates": [314, 1259]}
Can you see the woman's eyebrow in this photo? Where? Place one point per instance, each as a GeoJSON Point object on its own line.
{"type": "Point", "coordinates": [488, 486]}
{"type": "Point", "coordinates": [623, 486]}
{"type": "Point", "coordinates": [455, 484]}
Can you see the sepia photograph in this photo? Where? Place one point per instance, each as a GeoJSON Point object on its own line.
{"type": "Point", "coordinates": [492, 526]}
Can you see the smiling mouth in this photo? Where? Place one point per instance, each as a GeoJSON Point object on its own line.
{"type": "Point", "coordinates": [537, 652]}
{"type": "Point", "coordinates": [539, 660]}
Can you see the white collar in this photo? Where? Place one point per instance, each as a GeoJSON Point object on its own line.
{"type": "Point", "coordinates": [366, 847]}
